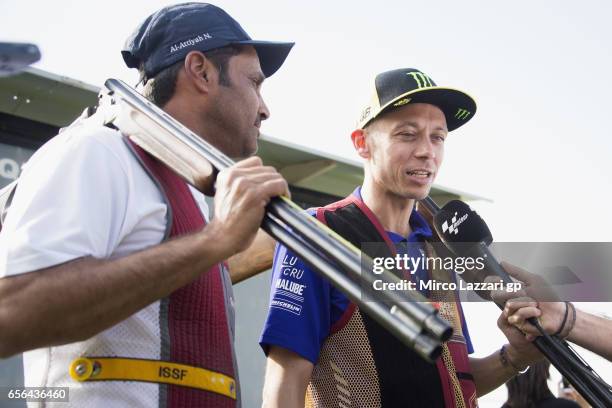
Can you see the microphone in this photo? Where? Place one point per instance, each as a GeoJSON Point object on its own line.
{"type": "Point", "coordinates": [465, 233]}
{"type": "Point", "coordinates": [14, 57]}
{"type": "Point", "coordinates": [457, 222]}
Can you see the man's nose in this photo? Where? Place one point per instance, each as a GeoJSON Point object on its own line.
{"type": "Point", "coordinates": [425, 148]}
{"type": "Point", "coordinates": [264, 112]}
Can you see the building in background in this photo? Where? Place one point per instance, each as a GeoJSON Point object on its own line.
{"type": "Point", "coordinates": [35, 104]}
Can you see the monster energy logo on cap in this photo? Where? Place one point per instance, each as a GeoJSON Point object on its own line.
{"type": "Point", "coordinates": [421, 79]}
{"type": "Point", "coordinates": [462, 114]}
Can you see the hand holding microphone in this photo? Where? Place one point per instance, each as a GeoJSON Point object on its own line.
{"type": "Point", "coordinates": [465, 233]}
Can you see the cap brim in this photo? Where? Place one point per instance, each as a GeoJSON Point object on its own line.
{"type": "Point", "coordinates": [271, 54]}
{"type": "Point", "coordinates": [457, 106]}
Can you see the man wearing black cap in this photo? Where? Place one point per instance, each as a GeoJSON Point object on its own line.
{"type": "Point", "coordinates": [320, 346]}
{"type": "Point", "coordinates": [109, 274]}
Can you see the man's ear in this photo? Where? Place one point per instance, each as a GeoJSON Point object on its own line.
{"type": "Point", "coordinates": [359, 142]}
{"type": "Point", "coordinates": [200, 71]}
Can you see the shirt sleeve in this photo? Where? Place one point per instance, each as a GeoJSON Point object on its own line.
{"type": "Point", "coordinates": [299, 314]}
{"type": "Point", "coordinates": [70, 203]}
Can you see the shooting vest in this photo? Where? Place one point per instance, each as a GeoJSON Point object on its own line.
{"type": "Point", "coordinates": [363, 365]}
{"type": "Point", "coordinates": [197, 366]}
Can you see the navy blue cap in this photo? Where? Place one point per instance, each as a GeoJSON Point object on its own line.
{"type": "Point", "coordinates": [167, 35]}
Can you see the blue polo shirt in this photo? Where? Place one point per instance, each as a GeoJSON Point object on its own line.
{"type": "Point", "coordinates": [304, 305]}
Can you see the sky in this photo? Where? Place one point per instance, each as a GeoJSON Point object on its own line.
{"type": "Point", "coordinates": [538, 147]}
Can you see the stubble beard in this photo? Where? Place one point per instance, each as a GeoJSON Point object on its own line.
{"type": "Point", "coordinates": [223, 133]}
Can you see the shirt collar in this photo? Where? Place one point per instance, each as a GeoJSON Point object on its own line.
{"type": "Point", "coordinates": [418, 225]}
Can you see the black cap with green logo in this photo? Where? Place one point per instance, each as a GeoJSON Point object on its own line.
{"type": "Point", "coordinates": [402, 86]}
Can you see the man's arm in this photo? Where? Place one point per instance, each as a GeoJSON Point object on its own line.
{"type": "Point", "coordinates": [492, 371]}
{"type": "Point", "coordinates": [589, 331]}
{"type": "Point", "coordinates": [489, 372]}
{"type": "Point", "coordinates": [287, 377]}
{"type": "Point", "coordinates": [593, 333]}
{"type": "Point", "coordinates": [75, 300]}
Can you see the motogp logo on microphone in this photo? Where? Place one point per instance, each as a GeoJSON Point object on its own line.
{"type": "Point", "coordinates": [454, 224]}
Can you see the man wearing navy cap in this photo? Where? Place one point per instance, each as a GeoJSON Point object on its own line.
{"type": "Point", "coordinates": [321, 348]}
{"type": "Point", "coordinates": [111, 274]}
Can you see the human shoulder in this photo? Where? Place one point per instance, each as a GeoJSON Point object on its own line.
{"type": "Point", "coordinates": [83, 146]}
{"type": "Point", "coordinates": [103, 140]}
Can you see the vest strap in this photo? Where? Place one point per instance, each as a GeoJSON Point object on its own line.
{"type": "Point", "coordinates": [164, 372]}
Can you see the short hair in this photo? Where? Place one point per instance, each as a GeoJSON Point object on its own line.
{"type": "Point", "coordinates": [161, 87]}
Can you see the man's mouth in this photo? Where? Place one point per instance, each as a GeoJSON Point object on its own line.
{"type": "Point", "coordinates": [421, 173]}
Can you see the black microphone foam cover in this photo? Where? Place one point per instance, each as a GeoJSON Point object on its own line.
{"type": "Point", "coordinates": [457, 223]}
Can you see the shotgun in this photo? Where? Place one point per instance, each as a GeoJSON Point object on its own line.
{"type": "Point", "coordinates": [408, 316]}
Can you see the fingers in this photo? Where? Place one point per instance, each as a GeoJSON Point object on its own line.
{"type": "Point", "coordinates": [250, 172]}
{"type": "Point", "coordinates": [519, 311]}
{"type": "Point", "coordinates": [501, 297]}
{"type": "Point", "coordinates": [251, 183]}
{"type": "Point", "coordinates": [520, 317]}
{"type": "Point", "coordinates": [516, 313]}
{"type": "Point", "coordinates": [514, 305]}
{"type": "Point", "coordinates": [275, 187]}
{"type": "Point", "coordinates": [250, 176]}
{"type": "Point", "coordinates": [519, 273]}
{"type": "Point", "coordinates": [263, 186]}
{"type": "Point", "coordinates": [257, 175]}
{"type": "Point", "coordinates": [253, 161]}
